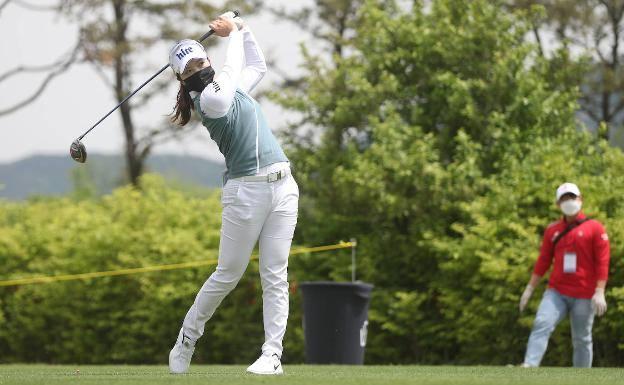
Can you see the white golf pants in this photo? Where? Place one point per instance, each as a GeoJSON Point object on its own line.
{"type": "Point", "coordinates": [252, 211]}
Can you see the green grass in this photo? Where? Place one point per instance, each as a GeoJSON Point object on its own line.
{"type": "Point", "coordinates": [303, 375]}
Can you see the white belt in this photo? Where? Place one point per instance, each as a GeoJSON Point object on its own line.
{"type": "Point", "coordinates": [269, 178]}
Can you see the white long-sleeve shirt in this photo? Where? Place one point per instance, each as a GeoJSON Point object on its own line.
{"type": "Point", "coordinates": [243, 68]}
{"type": "Point", "coordinates": [233, 118]}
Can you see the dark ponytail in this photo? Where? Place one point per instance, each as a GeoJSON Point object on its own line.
{"type": "Point", "coordinates": [183, 107]}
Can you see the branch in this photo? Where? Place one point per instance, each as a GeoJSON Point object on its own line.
{"type": "Point", "coordinates": [538, 39]}
{"type": "Point", "coordinates": [41, 68]}
{"type": "Point", "coordinates": [29, 6]}
{"type": "Point", "coordinates": [153, 89]}
{"type": "Point", "coordinates": [165, 133]}
{"type": "Point", "coordinates": [286, 80]}
{"type": "Point", "coordinates": [589, 111]}
{"type": "Point", "coordinates": [62, 68]}
{"type": "Point", "coordinates": [35, 7]}
{"type": "Point", "coordinates": [162, 135]}
{"type": "Point", "coordinates": [143, 153]}
{"type": "Point", "coordinates": [598, 36]}
{"type": "Point", "coordinates": [301, 17]}
{"type": "Point", "coordinates": [617, 108]}
{"type": "Point", "coordinates": [576, 40]}
{"type": "Point", "coordinates": [100, 71]}
{"type": "Point", "coordinates": [4, 4]}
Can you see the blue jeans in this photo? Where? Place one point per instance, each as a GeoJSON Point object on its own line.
{"type": "Point", "coordinates": [553, 308]}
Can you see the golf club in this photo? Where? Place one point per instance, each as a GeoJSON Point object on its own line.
{"type": "Point", "coordinates": [77, 149]}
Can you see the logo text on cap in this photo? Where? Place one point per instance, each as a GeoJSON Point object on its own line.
{"type": "Point", "coordinates": [183, 52]}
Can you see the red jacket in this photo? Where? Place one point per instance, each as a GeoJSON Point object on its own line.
{"type": "Point", "coordinates": [590, 242]}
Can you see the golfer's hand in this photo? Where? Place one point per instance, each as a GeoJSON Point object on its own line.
{"type": "Point", "coordinates": [223, 26]}
{"type": "Point", "coordinates": [524, 299]}
{"type": "Point", "coordinates": [236, 19]}
{"type": "Point", "coordinates": [599, 303]}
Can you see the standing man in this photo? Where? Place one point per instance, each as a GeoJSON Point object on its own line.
{"type": "Point", "coordinates": [578, 247]}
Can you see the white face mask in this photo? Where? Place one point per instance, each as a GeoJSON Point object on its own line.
{"type": "Point", "coordinates": [571, 207]}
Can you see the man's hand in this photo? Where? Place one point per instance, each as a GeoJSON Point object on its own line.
{"type": "Point", "coordinates": [524, 299]}
{"type": "Point", "coordinates": [223, 26]}
{"type": "Point", "coordinates": [599, 303]}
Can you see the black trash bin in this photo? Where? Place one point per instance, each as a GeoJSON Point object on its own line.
{"type": "Point", "coordinates": [335, 321]}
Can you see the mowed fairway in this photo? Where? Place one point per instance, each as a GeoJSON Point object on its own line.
{"type": "Point", "coordinates": [302, 375]}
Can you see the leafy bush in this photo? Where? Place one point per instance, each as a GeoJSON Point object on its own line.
{"type": "Point", "coordinates": [130, 319]}
{"type": "Point", "coordinates": [438, 142]}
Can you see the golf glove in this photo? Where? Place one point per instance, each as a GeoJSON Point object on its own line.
{"type": "Point", "coordinates": [599, 303]}
{"type": "Point", "coordinates": [524, 299]}
{"type": "Point", "coordinates": [237, 20]}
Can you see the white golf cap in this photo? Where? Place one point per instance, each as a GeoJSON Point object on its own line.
{"type": "Point", "coordinates": [567, 188]}
{"type": "Point", "coordinates": [183, 51]}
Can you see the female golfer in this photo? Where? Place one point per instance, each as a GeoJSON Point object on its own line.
{"type": "Point", "coordinates": [259, 198]}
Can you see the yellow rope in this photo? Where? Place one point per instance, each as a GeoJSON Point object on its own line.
{"type": "Point", "coordinates": [147, 269]}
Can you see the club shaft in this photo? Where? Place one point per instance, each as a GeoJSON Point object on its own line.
{"type": "Point", "coordinates": [204, 37]}
{"type": "Point", "coordinates": [124, 100]}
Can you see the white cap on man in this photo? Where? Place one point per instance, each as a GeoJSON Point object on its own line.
{"type": "Point", "coordinates": [183, 51]}
{"type": "Point", "coordinates": [567, 188]}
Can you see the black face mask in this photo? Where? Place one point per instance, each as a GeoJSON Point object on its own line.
{"type": "Point", "coordinates": [200, 79]}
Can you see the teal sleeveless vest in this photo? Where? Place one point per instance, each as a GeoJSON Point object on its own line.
{"type": "Point", "coordinates": [243, 136]}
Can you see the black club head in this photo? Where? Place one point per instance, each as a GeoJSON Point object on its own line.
{"type": "Point", "coordinates": [78, 151]}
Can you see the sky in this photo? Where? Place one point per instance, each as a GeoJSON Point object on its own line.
{"type": "Point", "coordinates": [77, 99]}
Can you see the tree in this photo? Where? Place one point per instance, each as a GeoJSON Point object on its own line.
{"type": "Point", "coordinates": [328, 21]}
{"type": "Point", "coordinates": [593, 27]}
{"type": "Point", "coordinates": [113, 38]}
{"type": "Point", "coordinates": [412, 126]}
{"type": "Point", "coordinates": [330, 24]}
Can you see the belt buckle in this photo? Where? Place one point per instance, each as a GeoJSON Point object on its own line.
{"type": "Point", "coordinates": [274, 176]}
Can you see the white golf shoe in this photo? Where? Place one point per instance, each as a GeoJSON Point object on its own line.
{"type": "Point", "coordinates": [267, 364]}
{"type": "Point", "coordinates": [181, 354]}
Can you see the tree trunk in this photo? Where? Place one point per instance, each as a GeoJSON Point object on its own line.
{"type": "Point", "coordinates": [134, 162]}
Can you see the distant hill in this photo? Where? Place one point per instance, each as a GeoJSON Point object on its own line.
{"type": "Point", "coordinates": [52, 174]}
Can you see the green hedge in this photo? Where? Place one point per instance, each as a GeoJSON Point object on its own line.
{"type": "Point", "coordinates": [465, 312]}
{"type": "Point", "coordinates": [132, 318]}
